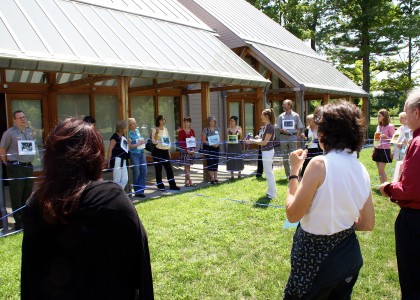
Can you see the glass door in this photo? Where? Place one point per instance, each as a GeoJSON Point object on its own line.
{"type": "Point", "coordinates": [33, 106]}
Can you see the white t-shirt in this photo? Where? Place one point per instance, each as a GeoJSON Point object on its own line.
{"type": "Point", "coordinates": [338, 201]}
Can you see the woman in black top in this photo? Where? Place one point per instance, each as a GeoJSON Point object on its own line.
{"type": "Point", "coordinates": [69, 249]}
{"type": "Point", "coordinates": [117, 156]}
{"type": "Point", "coordinates": [210, 137]}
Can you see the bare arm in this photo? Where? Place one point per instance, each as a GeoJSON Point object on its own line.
{"type": "Point", "coordinates": [366, 220]}
{"type": "Point", "coordinates": [299, 196]}
{"type": "Point", "coordinates": [3, 155]}
{"type": "Point", "coordinates": [111, 146]}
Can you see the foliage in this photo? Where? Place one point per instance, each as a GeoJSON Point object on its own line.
{"type": "Point", "coordinates": [216, 243]}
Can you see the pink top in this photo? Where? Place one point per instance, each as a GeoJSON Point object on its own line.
{"type": "Point", "coordinates": [388, 130]}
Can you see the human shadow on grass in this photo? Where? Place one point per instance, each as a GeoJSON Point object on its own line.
{"type": "Point", "coordinates": [282, 181]}
{"type": "Point", "coordinates": [262, 202]}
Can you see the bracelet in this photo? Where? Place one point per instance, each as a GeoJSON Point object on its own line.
{"type": "Point", "coordinates": [293, 177]}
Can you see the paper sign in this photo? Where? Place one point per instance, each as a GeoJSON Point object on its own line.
{"type": "Point", "coordinates": [166, 141]}
{"type": "Point", "coordinates": [124, 144]}
{"type": "Point", "coordinates": [190, 142]}
{"type": "Point", "coordinates": [232, 139]}
{"type": "Point", "coordinates": [140, 147]}
{"type": "Point", "coordinates": [395, 137]}
{"type": "Point", "coordinates": [288, 124]}
{"type": "Point", "coordinates": [26, 147]}
{"type": "Point", "coordinates": [377, 139]}
{"type": "Point", "coordinates": [213, 139]}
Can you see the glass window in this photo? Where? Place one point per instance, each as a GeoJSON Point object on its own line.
{"type": "Point", "coordinates": [25, 76]}
{"type": "Point", "coordinates": [249, 118]}
{"type": "Point", "coordinates": [106, 115]}
{"type": "Point", "coordinates": [33, 112]}
{"type": "Point", "coordinates": [234, 110]}
{"type": "Point", "coordinates": [72, 106]}
{"type": "Point", "coordinates": [143, 110]}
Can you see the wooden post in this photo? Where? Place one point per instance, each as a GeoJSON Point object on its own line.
{"type": "Point", "coordinates": [123, 98]}
{"type": "Point", "coordinates": [205, 112]}
{"type": "Point", "coordinates": [348, 98]}
{"type": "Point", "coordinates": [258, 109]}
{"type": "Point", "coordinates": [325, 99]}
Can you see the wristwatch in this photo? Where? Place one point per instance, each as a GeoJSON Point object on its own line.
{"type": "Point", "coordinates": [293, 177]}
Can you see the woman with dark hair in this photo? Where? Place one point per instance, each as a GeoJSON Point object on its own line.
{"type": "Point", "coordinates": [186, 134]}
{"type": "Point", "coordinates": [267, 150]}
{"type": "Point", "coordinates": [117, 157]}
{"type": "Point", "coordinates": [69, 249]}
{"type": "Point", "coordinates": [161, 155]}
{"type": "Point", "coordinates": [235, 162]}
{"type": "Point", "coordinates": [332, 201]}
{"type": "Point", "coordinates": [382, 151]}
{"type": "Point", "coordinates": [210, 148]}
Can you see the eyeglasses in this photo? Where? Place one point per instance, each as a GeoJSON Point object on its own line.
{"type": "Point", "coordinates": [22, 118]}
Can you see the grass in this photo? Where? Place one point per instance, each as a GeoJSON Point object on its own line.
{"type": "Point", "coordinates": [205, 245]}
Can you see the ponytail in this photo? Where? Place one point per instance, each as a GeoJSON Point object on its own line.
{"type": "Point", "coordinates": [270, 113]}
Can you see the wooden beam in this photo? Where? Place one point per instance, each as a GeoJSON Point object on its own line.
{"type": "Point", "coordinates": [123, 98]}
{"type": "Point", "coordinates": [218, 89]}
{"type": "Point", "coordinates": [325, 99]}
{"type": "Point", "coordinates": [280, 90]}
{"type": "Point", "coordinates": [160, 85]}
{"type": "Point", "coordinates": [205, 103]}
{"type": "Point", "coordinates": [79, 82]}
{"type": "Point", "coordinates": [23, 88]}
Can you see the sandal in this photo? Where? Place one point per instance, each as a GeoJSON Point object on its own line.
{"type": "Point", "coordinates": [187, 185]}
{"type": "Point", "coordinates": [193, 185]}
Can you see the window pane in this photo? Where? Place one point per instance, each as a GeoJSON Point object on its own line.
{"type": "Point", "coordinates": [143, 110]}
{"type": "Point", "coordinates": [33, 111]}
{"type": "Point", "coordinates": [249, 118]}
{"type": "Point", "coordinates": [106, 115]}
{"type": "Point", "coordinates": [234, 110]}
{"type": "Point", "coordinates": [277, 107]}
{"type": "Point", "coordinates": [72, 106]}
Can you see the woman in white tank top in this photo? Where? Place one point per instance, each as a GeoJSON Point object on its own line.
{"type": "Point", "coordinates": [332, 201]}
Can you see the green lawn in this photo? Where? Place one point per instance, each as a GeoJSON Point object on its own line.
{"type": "Point", "coordinates": [206, 245]}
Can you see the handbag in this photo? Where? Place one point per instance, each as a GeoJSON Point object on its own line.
{"type": "Point", "coordinates": [149, 145]}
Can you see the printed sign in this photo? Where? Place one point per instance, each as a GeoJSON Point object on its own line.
{"type": "Point", "coordinates": [377, 139]}
{"type": "Point", "coordinates": [213, 139]}
{"type": "Point", "coordinates": [124, 144]}
{"type": "Point", "coordinates": [397, 171]}
{"type": "Point", "coordinates": [140, 147]}
{"type": "Point", "coordinates": [190, 142]}
{"type": "Point", "coordinates": [26, 147]}
{"type": "Point", "coordinates": [232, 139]}
{"type": "Point", "coordinates": [395, 137]}
{"type": "Point", "coordinates": [288, 124]}
{"type": "Point", "coordinates": [166, 141]}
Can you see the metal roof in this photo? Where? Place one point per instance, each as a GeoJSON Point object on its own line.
{"type": "Point", "coordinates": [83, 37]}
{"type": "Point", "coordinates": [314, 74]}
{"type": "Point", "coordinates": [284, 52]}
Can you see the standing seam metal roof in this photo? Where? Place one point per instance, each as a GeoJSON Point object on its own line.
{"type": "Point", "coordinates": [80, 37]}
{"type": "Point", "coordinates": [283, 51]}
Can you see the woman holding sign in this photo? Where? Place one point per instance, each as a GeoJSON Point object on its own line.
{"type": "Point", "coordinates": [210, 138]}
{"type": "Point", "coordinates": [187, 145]}
{"type": "Point", "coordinates": [267, 149]}
{"type": "Point", "coordinates": [118, 154]}
{"type": "Point", "coordinates": [382, 143]}
{"type": "Point", "coordinates": [137, 158]}
{"type": "Point", "coordinates": [235, 163]}
{"type": "Point", "coordinates": [161, 155]}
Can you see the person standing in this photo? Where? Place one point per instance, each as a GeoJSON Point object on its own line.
{"type": "Point", "coordinates": [137, 158]}
{"type": "Point", "coordinates": [290, 127]}
{"type": "Point", "coordinates": [267, 149]}
{"type": "Point", "coordinates": [187, 152]}
{"type": "Point", "coordinates": [69, 249]}
{"type": "Point", "coordinates": [404, 136]}
{"type": "Point", "coordinates": [260, 167]}
{"type": "Point", "coordinates": [19, 167]}
{"type": "Point", "coordinates": [382, 152]}
{"type": "Point", "coordinates": [311, 141]}
{"type": "Point", "coordinates": [117, 157]}
{"type": "Point", "coordinates": [211, 152]}
{"type": "Point", "coordinates": [235, 162]}
{"type": "Point", "coordinates": [406, 194]}
{"type": "Point", "coordinates": [161, 155]}
{"type": "Point", "coordinates": [332, 201]}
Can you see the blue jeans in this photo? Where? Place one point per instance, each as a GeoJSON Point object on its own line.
{"type": "Point", "coordinates": [139, 166]}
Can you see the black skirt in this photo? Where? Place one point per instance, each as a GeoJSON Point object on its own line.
{"type": "Point", "coordinates": [382, 155]}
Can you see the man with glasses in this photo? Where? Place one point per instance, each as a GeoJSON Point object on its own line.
{"type": "Point", "coordinates": [290, 127]}
{"type": "Point", "coordinates": [19, 166]}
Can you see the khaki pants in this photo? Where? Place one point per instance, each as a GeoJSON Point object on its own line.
{"type": "Point", "coordinates": [288, 143]}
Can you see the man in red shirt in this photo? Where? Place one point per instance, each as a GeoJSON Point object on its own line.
{"type": "Point", "coordinates": [406, 193]}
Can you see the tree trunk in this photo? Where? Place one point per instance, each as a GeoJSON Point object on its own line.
{"type": "Point", "coordinates": [365, 47]}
